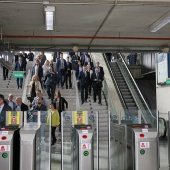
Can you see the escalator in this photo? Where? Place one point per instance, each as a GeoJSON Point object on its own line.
{"type": "Point", "coordinates": [128, 91]}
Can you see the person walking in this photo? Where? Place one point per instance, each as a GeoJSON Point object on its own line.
{"type": "Point", "coordinates": [97, 79]}
{"type": "Point", "coordinates": [68, 74]}
{"type": "Point", "coordinates": [55, 121]}
{"type": "Point", "coordinates": [84, 78]}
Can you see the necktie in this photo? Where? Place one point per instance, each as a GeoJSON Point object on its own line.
{"type": "Point", "coordinates": [85, 74]}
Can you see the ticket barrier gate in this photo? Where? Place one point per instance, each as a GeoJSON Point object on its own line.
{"type": "Point", "coordinates": [134, 147]}
{"type": "Point", "coordinates": [83, 149]}
{"type": "Point", "coordinates": [30, 141]}
{"type": "Point", "coordinates": [10, 140]}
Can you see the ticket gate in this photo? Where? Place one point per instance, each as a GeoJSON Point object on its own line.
{"type": "Point", "coordinates": [30, 147]}
{"type": "Point", "coordinates": [10, 140]}
{"type": "Point", "coordinates": [83, 149]}
{"type": "Point", "coordinates": [134, 147]}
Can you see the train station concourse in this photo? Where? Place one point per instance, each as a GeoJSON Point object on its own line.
{"type": "Point", "coordinates": [84, 85]}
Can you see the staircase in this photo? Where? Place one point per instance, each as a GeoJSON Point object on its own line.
{"type": "Point", "coordinates": [127, 96]}
{"type": "Point", "coordinates": [10, 85]}
{"type": "Point", "coordinates": [90, 106]}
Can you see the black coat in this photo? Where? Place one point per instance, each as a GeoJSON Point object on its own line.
{"type": "Point", "coordinates": [101, 70]}
{"type": "Point", "coordinates": [24, 107]}
{"type": "Point", "coordinates": [84, 80]}
{"type": "Point", "coordinates": [69, 67]}
{"type": "Point", "coordinates": [62, 104]}
{"type": "Point", "coordinates": [18, 67]}
{"type": "Point", "coordinates": [40, 72]}
{"type": "Point", "coordinates": [96, 82]}
{"type": "Point", "coordinates": [51, 78]}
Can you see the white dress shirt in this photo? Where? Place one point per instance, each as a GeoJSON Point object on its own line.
{"type": "Point", "coordinates": [1, 107]}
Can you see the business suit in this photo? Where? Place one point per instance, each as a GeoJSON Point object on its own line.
{"type": "Point", "coordinates": [100, 70]}
{"type": "Point", "coordinates": [74, 60]}
{"type": "Point", "coordinates": [24, 60]}
{"type": "Point", "coordinates": [40, 72]}
{"type": "Point", "coordinates": [84, 78]}
{"type": "Point", "coordinates": [97, 85]}
{"type": "Point", "coordinates": [68, 75]}
{"type": "Point", "coordinates": [84, 58]}
{"type": "Point", "coordinates": [62, 69]}
{"type": "Point", "coordinates": [14, 105]}
{"type": "Point", "coordinates": [19, 66]}
{"type": "Point", "coordinates": [78, 70]}
{"type": "Point", "coordinates": [89, 63]}
{"type": "Point", "coordinates": [51, 82]}
{"type": "Point", "coordinates": [3, 115]}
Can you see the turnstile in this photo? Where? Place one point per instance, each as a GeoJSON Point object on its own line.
{"type": "Point", "coordinates": [30, 147]}
{"type": "Point", "coordinates": [134, 147]}
{"type": "Point", "coordinates": [10, 140]}
{"type": "Point", "coordinates": [83, 149]}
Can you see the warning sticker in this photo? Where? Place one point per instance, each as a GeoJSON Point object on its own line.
{"type": "Point", "coordinates": [4, 132]}
{"type": "Point", "coordinates": [84, 131]}
{"type": "Point", "coordinates": [144, 130]}
{"type": "Point", "coordinates": [4, 148]}
{"type": "Point", "coordinates": [85, 146]}
{"type": "Point", "coordinates": [144, 145]}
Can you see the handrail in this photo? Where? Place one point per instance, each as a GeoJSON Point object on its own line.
{"type": "Point", "coordinates": [77, 93]}
{"type": "Point", "coordinates": [136, 85]}
{"type": "Point", "coordinates": [114, 81]}
{"type": "Point", "coordinates": [24, 94]}
{"type": "Point", "coordinates": [109, 98]}
{"type": "Point", "coordinates": [5, 64]}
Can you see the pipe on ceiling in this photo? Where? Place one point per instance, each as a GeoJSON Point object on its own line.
{"type": "Point", "coordinates": [84, 37]}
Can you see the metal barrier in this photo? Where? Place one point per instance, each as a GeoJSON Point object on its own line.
{"type": "Point", "coordinates": [134, 147]}
{"type": "Point", "coordinates": [83, 150]}
{"type": "Point", "coordinates": [9, 140]}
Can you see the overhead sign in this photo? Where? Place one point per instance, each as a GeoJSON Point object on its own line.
{"type": "Point", "coordinates": [18, 74]}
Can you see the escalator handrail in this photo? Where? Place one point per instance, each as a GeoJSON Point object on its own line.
{"type": "Point", "coordinates": [136, 85]}
{"type": "Point", "coordinates": [114, 81]}
{"type": "Point", "coordinates": [165, 125]}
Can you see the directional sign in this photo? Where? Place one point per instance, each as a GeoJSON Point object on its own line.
{"type": "Point", "coordinates": [18, 74]}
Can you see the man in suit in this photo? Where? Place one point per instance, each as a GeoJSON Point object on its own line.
{"type": "Point", "coordinates": [51, 82]}
{"type": "Point", "coordinates": [68, 74]}
{"type": "Point", "coordinates": [10, 102]}
{"type": "Point", "coordinates": [24, 60]}
{"type": "Point", "coordinates": [78, 70]}
{"type": "Point", "coordinates": [42, 58]}
{"type": "Point", "coordinates": [5, 72]}
{"type": "Point", "coordinates": [89, 62]}
{"type": "Point", "coordinates": [19, 66]}
{"type": "Point", "coordinates": [62, 69]}
{"type": "Point", "coordinates": [84, 78]}
{"type": "Point", "coordinates": [97, 79]}
{"type": "Point", "coordinates": [20, 106]}
{"type": "Point", "coordinates": [39, 106]}
{"type": "Point", "coordinates": [74, 60]}
{"type": "Point", "coordinates": [37, 70]}
{"type": "Point", "coordinates": [84, 58]}
{"type": "Point", "coordinates": [3, 108]}
{"type": "Point", "coordinates": [100, 69]}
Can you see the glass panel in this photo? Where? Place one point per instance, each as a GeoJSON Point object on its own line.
{"type": "Point", "coordinates": [118, 143]}
{"type": "Point", "coordinates": [69, 138]}
{"type": "Point", "coordinates": [45, 135]}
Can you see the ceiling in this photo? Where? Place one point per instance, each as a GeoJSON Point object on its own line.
{"type": "Point", "coordinates": [91, 25]}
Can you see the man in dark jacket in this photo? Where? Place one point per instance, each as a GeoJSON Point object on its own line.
{"type": "Point", "coordinates": [84, 78]}
{"type": "Point", "coordinates": [97, 79]}
{"type": "Point", "coordinates": [74, 60]}
{"type": "Point", "coordinates": [68, 74]}
{"type": "Point", "coordinates": [19, 66]}
{"type": "Point", "coordinates": [3, 108]}
{"type": "Point", "coordinates": [62, 69]}
{"type": "Point", "coordinates": [39, 106]}
{"type": "Point", "coordinates": [37, 70]}
{"type": "Point", "coordinates": [51, 82]}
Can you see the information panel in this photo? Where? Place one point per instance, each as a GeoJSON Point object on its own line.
{"type": "Point", "coordinates": [162, 60]}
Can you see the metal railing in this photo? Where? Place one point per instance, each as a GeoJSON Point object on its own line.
{"type": "Point", "coordinates": [138, 97]}
{"type": "Point", "coordinates": [77, 92]}
{"type": "Point", "coordinates": [25, 89]}
{"type": "Point", "coordinates": [114, 81]}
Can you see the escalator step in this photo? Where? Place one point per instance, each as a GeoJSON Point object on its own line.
{"type": "Point", "coordinates": [127, 97]}
{"type": "Point", "coordinates": [124, 90]}
{"type": "Point", "coordinates": [128, 100]}
{"type": "Point", "coordinates": [130, 104]}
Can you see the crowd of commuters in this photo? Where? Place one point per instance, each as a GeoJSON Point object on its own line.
{"type": "Point", "coordinates": [47, 76]}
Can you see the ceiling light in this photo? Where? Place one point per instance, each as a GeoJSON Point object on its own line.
{"type": "Point", "coordinates": [161, 22]}
{"type": "Point", "coordinates": [49, 17]}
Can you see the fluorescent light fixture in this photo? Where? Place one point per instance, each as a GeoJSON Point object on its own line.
{"type": "Point", "coordinates": [49, 17]}
{"type": "Point", "coordinates": [161, 22]}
